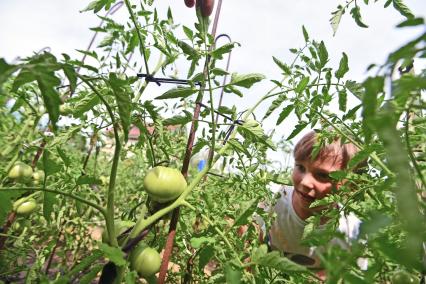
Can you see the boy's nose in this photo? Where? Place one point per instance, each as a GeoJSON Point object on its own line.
{"type": "Point", "coordinates": [307, 181]}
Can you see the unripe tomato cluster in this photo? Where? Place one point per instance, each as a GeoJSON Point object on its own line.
{"type": "Point", "coordinates": [23, 173]}
{"type": "Point", "coordinates": [25, 206]}
{"type": "Point", "coordinates": [164, 184]}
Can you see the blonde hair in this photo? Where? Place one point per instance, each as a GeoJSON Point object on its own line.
{"type": "Point", "coordinates": [306, 149]}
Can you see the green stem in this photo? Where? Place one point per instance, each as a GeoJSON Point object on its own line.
{"type": "Point", "coordinates": [141, 43]}
{"type": "Point", "coordinates": [110, 195]}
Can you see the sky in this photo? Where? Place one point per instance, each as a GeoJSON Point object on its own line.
{"type": "Point", "coordinates": [264, 28]}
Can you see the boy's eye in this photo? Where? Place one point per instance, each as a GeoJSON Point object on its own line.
{"type": "Point", "coordinates": [323, 176]}
{"type": "Point", "coordinates": [300, 168]}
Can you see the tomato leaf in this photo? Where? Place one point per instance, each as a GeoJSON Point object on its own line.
{"type": "Point", "coordinates": [356, 15]}
{"type": "Point", "coordinates": [282, 66]}
{"type": "Point", "coordinates": [323, 54]}
{"type": "Point", "coordinates": [199, 242]}
{"type": "Point", "coordinates": [299, 127]}
{"type": "Point", "coordinates": [6, 203]}
{"type": "Point", "coordinates": [285, 113]}
{"type": "Point", "coordinates": [400, 6]}
{"type": "Point", "coordinates": [178, 119]}
{"type": "Point", "coordinates": [343, 67]}
{"type": "Point", "coordinates": [247, 210]}
{"type": "Point", "coordinates": [122, 93]}
{"type": "Point", "coordinates": [302, 85]}
{"type": "Point", "coordinates": [179, 92]}
{"type": "Point", "coordinates": [275, 104]}
{"type": "Point", "coordinates": [226, 48]}
{"type": "Point", "coordinates": [205, 255]}
{"type": "Point", "coordinates": [233, 274]}
{"type": "Point", "coordinates": [116, 255]}
{"type": "Point", "coordinates": [238, 147]}
{"type": "Point", "coordinates": [283, 264]}
{"type": "Point", "coordinates": [336, 16]}
{"type": "Point", "coordinates": [246, 80]}
{"type": "Point", "coordinates": [342, 100]}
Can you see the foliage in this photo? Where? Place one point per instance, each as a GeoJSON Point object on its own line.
{"type": "Point", "coordinates": [95, 155]}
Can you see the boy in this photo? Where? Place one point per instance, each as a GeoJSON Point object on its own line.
{"type": "Point", "coordinates": [311, 182]}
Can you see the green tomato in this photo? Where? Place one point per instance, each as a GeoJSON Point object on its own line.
{"type": "Point", "coordinates": [21, 172]}
{"type": "Point", "coordinates": [120, 227]}
{"type": "Point", "coordinates": [403, 277]}
{"type": "Point", "coordinates": [145, 260]}
{"type": "Point", "coordinates": [25, 207]}
{"type": "Point", "coordinates": [164, 184]}
{"type": "Point", "coordinates": [38, 177]}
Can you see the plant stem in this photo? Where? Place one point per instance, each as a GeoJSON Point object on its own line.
{"type": "Point", "coordinates": [109, 217]}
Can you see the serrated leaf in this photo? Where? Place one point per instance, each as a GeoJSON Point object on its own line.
{"type": "Point", "coordinates": [411, 22]}
{"type": "Point", "coordinates": [252, 130]}
{"type": "Point", "coordinates": [232, 89]}
{"type": "Point", "coordinates": [50, 166]}
{"type": "Point", "coordinates": [6, 198]}
{"type": "Point", "coordinates": [343, 67]}
{"type": "Point", "coordinates": [247, 210]}
{"type": "Point", "coordinates": [83, 105]}
{"type": "Point", "coordinates": [356, 15]}
{"type": "Point", "coordinates": [233, 274]}
{"type": "Point", "coordinates": [188, 50]}
{"type": "Point", "coordinates": [178, 119]}
{"type": "Point", "coordinates": [247, 80]}
{"type": "Point", "coordinates": [205, 255]}
{"type": "Point", "coordinates": [322, 54]}
{"type": "Point", "coordinates": [63, 156]}
{"type": "Point", "coordinates": [86, 262]}
{"type": "Point", "coordinates": [285, 113]}
{"type": "Point", "coordinates": [282, 66]}
{"type": "Point", "coordinates": [64, 137]}
{"type": "Point", "coordinates": [259, 252]}
{"type": "Point", "coordinates": [299, 127]}
{"type": "Point", "coordinates": [6, 70]}
{"type": "Point", "coordinates": [91, 275]}
{"type": "Point", "coordinates": [336, 16]}
{"type": "Point", "coordinates": [122, 92]}
{"type": "Point", "coordinates": [400, 6]}
{"type": "Point", "coordinates": [227, 48]}
{"type": "Point", "coordinates": [86, 179]}
{"type": "Point", "coordinates": [188, 32]}
{"type": "Point", "coordinates": [71, 74]}
{"type": "Point", "coordinates": [355, 88]}
{"type": "Point", "coordinates": [302, 85]}
{"type": "Point", "coordinates": [238, 147]}
{"type": "Point", "coordinates": [179, 92]}
{"type": "Point", "coordinates": [342, 100]}
{"type": "Point", "coordinates": [198, 242]}
{"type": "Point", "coordinates": [305, 34]}
{"type": "Point", "coordinates": [283, 264]}
{"type": "Point", "coordinates": [359, 157]}
{"type": "Point", "coordinates": [275, 104]}
{"type": "Point", "coordinates": [116, 255]}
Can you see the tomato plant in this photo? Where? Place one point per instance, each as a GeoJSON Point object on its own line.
{"type": "Point", "coordinates": [101, 149]}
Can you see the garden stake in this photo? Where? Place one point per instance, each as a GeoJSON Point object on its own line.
{"type": "Point", "coordinates": [175, 216]}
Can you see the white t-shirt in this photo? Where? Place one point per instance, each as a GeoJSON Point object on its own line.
{"type": "Point", "coordinates": [287, 231]}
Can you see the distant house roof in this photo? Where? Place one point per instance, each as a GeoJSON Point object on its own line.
{"type": "Point", "coordinates": [135, 132]}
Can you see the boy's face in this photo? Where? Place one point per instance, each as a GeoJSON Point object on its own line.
{"type": "Point", "coordinates": [311, 182]}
